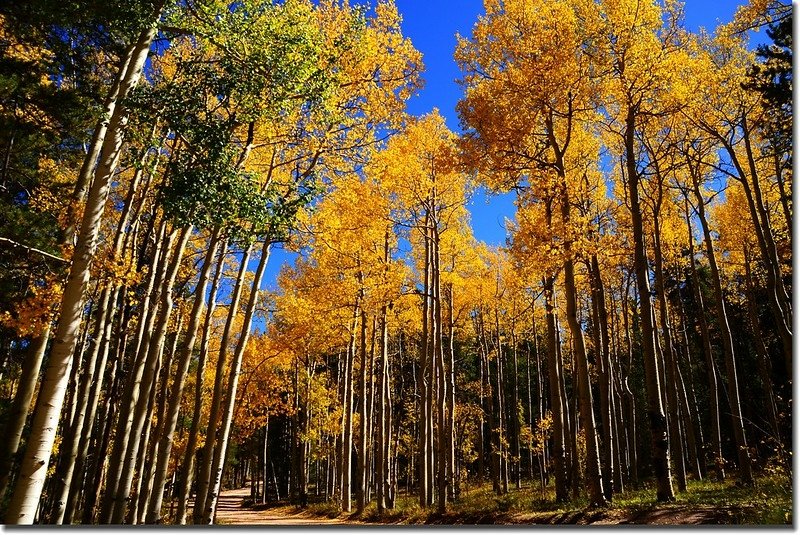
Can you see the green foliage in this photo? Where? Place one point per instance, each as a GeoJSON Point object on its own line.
{"type": "Point", "coordinates": [773, 78]}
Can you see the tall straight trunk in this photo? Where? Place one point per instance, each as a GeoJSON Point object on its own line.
{"type": "Point", "coordinates": [594, 475]}
{"type": "Point", "coordinates": [555, 382]}
{"type": "Point", "coordinates": [481, 401]}
{"type": "Point", "coordinates": [361, 465]}
{"type": "Point", "coordinates": [233, 382]}
{"type": "Point", "coordinates": [629, 404]}
{"type": "Point", "coordinates": [745, 466]}
{"type": "Point", "coordinates": [655, 410]}
{"type": "Point", "coordinates": [264, 459]}
{"type": "Point", "coordinates": [605, 376]}
{"type": "Point", "coordinates": [529, 398]}
{"type": "Point", "coordinates": [431, 392]}
{"type": "Point", "coordinates": [540, 401]}
{"type": "Point", "coordinates": [345, 472]}
{"type": "Point", "coordinates": [424, 386]}
{"type": "Point", "coordinates": [187, 467]}
{"type": "Point", "coordinates": [204, 477]}
{"type": "Point", "coordinates": [711, 372]}
{"type": "Point", "coordinates": [668, 352]}
{"type": "Point", "coordinates": [28, 488]}
{"type": "Point", "coordinates": [450, 393]}
{"type": "Point", "coordinates": [516, 474]}
{"type": "Point", "coordinates": [179, 380]}
{"type": "Point", "coordinates": [443, 457]}
{"type": "Point", "coordinates": [502, 410]}
{"type": "Point", "coordinates": [762, 356]}
{"type": "Point", "coordinates": [383, 452]}
{"type": "Point", "coordinates": [370, 467]}
{"type": "Point", "coordinates": [694, 424]}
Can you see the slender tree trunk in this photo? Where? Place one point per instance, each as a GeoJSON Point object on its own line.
{"type": "Point", "coordinates": [711, 373]}
{"type": "Point", "coordinates": [146, 377]}
{"type": "Point", "coordinates": [605, 376]}
{"type": "Point", "coordinates": [204, 478]}
{"type": "Point", "coordinates": [174, 406]}
{"type": "Point", "coordinates": [557, 408]}
{"type": "Point", "coordinates": [345, 474]}
{"type": "Point", "coordinates": [668, 353]}
{"type": "Point", "coordinates": [745, 467]}
{"type": "Point", "coordinates": [629, 406]}
{"type": "Point", "coordinates": [762, 356]}
{"type": "Point", "coordinates": [188, 468]}
{"type": "Point", "coordinates": [450, 392]}
{"type": "Point", "coordinates": [594, 475]}
{"type": "Point", "coordinates": [28, 488]}
{"type": "Point", "coordinates": [424, 385]}
{"type": "Point", "coordinates": [18, 413]}
{"type": "Point", "coordinates": [147, 483]}
{"type": "Point", "coordinates": [778, 298]}
{"type": "Point", "coordinates": [71, 439]}
{"type": "Point", "coordinates": [694, 424]}
{"type": "Point", "coordinates": [361, 465]}
{"type": "Point", "coordinates": [233, 382]}
{"type": "Point", "coordinates": [658, 422]}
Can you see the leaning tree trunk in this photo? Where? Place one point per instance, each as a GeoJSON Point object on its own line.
{"type": "Point", "coordinates": [233, 382]}
{"type": "Point", "coordinates": [174, 406]}
{"type": "Point", "coordinates": [18, 413]}
{"type": "Point", "coordinates": [147, 376]}
{"type": "Point", "coordinates": [743, 453]}
{"type": "Point", "coordinates": [204, 477]}
{"type": "Point", "coordinates": [185, 484]}
{"type": "Point", "coordinates": [28, 488]}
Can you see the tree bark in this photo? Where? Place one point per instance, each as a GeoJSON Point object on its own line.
{"type": "Point", "coordinates": [657, 419]}
{"type": "Point", "coordinates": [29, 485]}
{"type": "Point", "coordinates": [743, 453]}
{"type": "Point", "coordinates": [174, 406]}
{"type": "Point", "coordinates": [233, 382]}
{"type": "Point", "coordinates": [185, 484]}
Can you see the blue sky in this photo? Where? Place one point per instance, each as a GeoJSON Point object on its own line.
{"type": "Point", "coordinates": [432, 26]}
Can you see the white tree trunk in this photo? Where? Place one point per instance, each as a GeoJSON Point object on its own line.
{"type": "Point", "coordinates": [28, 488]}
{"type": "Point", "coordinates": [233, 382]}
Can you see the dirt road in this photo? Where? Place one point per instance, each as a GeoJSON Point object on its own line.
{"type": "Point", "coordinates": [231, 513]}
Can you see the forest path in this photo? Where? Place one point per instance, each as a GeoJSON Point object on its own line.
{"type": "Point", "coordinates": [231, 513]}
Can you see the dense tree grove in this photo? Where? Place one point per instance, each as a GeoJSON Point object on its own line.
{"type": "Point", "coordinates": [635, 329]}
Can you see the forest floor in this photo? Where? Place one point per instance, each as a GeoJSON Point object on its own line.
{"type": "Point", "coordinates": [705, 502]}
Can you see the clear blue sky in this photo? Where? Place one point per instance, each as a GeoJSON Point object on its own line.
{"type": "Point", "coordinates": [432, 26]}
